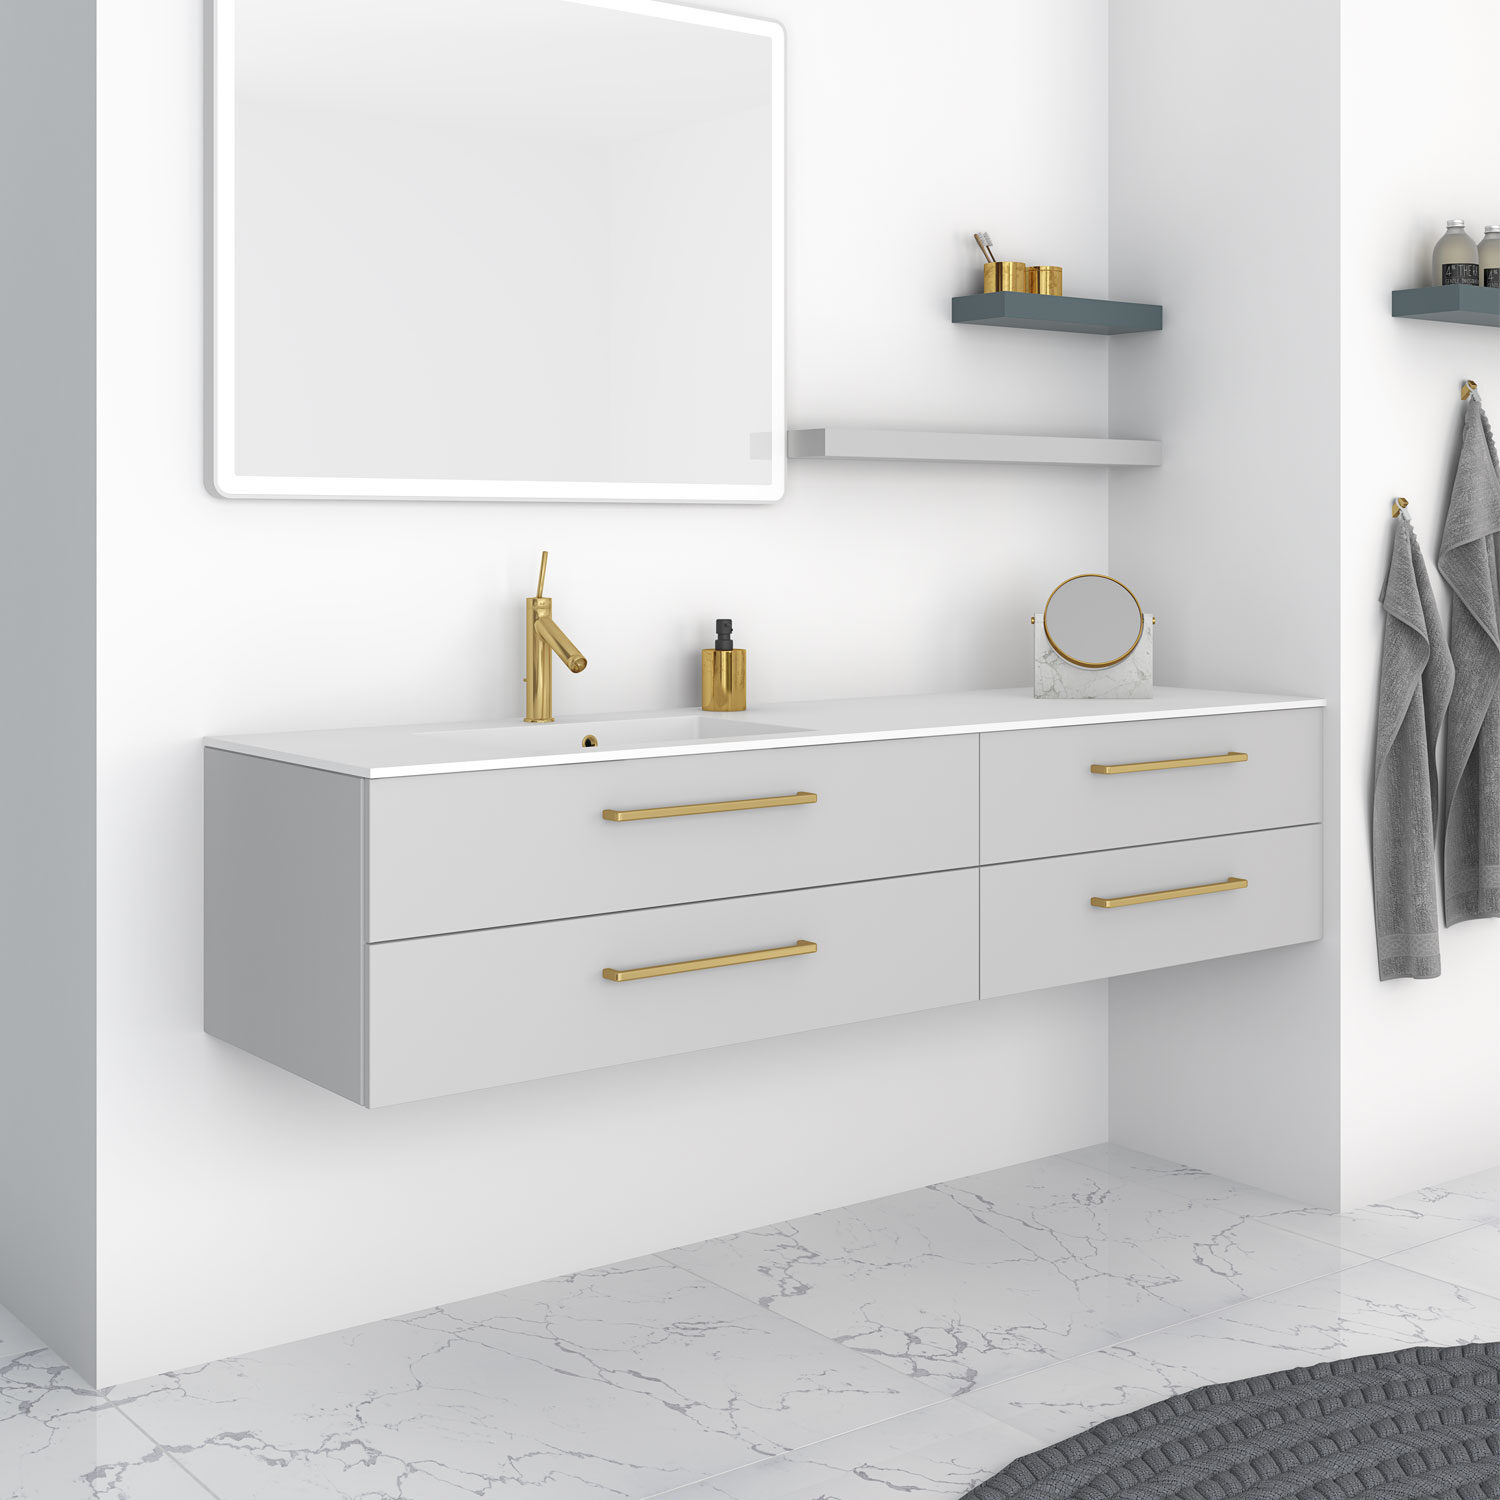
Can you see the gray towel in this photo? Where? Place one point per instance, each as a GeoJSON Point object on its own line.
{"type": "Point", "coordinates": [1469, 561]}
{"type": "Point", "coordinates": [1416, 678]}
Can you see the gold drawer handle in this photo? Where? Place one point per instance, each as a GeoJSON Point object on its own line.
{"type": "Point", "coordinates": [1234, 757]}
{"type": "Point", "coordinates": [688, 965]}
{"type": "Point", "coordinates": [689, 809]}
{"type": "Point", "coordinates": [1234, 883]}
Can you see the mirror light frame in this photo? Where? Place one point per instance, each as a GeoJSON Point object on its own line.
{"type": "Point", "coordinates": [226, 481]}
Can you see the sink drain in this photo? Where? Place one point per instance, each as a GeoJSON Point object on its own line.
{"type": "Point", "coordinates": [591, 742]}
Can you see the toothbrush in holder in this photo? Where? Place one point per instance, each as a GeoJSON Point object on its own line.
{"type": "Point", "coordinates": [995, 277]}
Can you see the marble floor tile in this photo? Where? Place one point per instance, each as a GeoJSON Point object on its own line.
{"type": "Point", "coordinates": [1139, 1167]}
{"type": "Point", "coordinates": [40, 1386]}
{"type": "Point", "coordinates": [1471, 1258]}
{"type": "Point", "coordinates": [1136, 1168]}
{"type": "Point", "coordinates": [1063, 1399]}
{"type": "Point", "coordinates": [16, 1338]}
{"type": "Point", "coordinates": [1404, 1222]}
{"type": "Point", "coordinates": [86, 1455]}
{"type": "Point", "coordinates": [1379, 1230]}
{"type": "Point", "coordinates": [937, 1453]}
{"type": "Point", "coordinates": [1372, 1308]}
{"type": "Point", "coordinates": [974, 1281]}
{"type": "Point", "coordinates": [1483, 1185]}
{"type": "Point", "coordinates": [1368, 1309]}
{"type": "Point", "coordinates": [622, 1382]}
{"type": "Point", "coordinates": [59, 1440]}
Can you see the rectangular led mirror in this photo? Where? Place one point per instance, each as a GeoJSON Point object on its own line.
{"type": "Point", "coordinates": [497, 250]}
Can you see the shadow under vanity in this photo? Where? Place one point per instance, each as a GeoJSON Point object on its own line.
{"type": "Point", "coordinates": [399, 914]}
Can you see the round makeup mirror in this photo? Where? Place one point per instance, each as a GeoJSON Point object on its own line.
{"type": "Point", "coordinates": [1093, 620]}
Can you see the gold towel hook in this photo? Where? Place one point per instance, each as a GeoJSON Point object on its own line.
{"type": "Point", "coordinates": [1397, 506]}
{"type": "Point", "coordinates": [1470, 388]}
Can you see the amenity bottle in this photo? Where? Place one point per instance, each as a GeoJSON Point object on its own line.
{"type": "Point", "coordinates": [1455, 258]}
{"type": "Point", "coordinates": [1489, 256]}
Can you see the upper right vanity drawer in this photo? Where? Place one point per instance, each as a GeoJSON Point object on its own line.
{"type": "Point", "coordinates": [1070, 788]}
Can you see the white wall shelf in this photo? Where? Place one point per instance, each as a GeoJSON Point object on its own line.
{"type": "Point", "coordinates": [970, 447]}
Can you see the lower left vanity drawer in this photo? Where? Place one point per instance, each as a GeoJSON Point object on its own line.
{"type": "Point", "coordinates": [475, 1009]}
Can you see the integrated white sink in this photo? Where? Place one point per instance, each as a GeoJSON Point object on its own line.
{"type": "Point", "coordinates": [500, 741]}
{"type": "Point", "coordinates": [377, 751]}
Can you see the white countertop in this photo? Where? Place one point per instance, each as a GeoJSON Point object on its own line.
{"type": "Point", "coordinates": [436, 749]}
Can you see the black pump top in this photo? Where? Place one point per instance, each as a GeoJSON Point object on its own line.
{"type": "Point", "coordinates": [725, 641]}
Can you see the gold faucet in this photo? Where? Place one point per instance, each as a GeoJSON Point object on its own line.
{"type": "Point", "coordinates": [542, 639]}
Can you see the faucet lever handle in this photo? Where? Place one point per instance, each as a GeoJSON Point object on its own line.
{"type": "Point", "coordinates": [541, 578]}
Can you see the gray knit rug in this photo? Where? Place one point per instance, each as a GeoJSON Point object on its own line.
{"type": "Point", "coordinates": [1413, 1424]}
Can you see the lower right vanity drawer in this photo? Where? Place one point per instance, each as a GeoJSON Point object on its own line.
{"type": "Point", "coordinates": [1043, 921]}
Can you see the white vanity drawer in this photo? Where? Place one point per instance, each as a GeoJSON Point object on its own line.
{"type": "Point", "coordinates": [467, 1011]}
{"type": "Point", "coordinates": [1042, 797]}
{"type": "Point", "coordinates": [497, 848]}
{"type": "Point", "coordinates": [1038, 926]}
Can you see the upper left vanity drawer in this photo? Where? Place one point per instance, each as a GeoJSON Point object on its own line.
{"type": "Point", "coordinates": [467, 850]}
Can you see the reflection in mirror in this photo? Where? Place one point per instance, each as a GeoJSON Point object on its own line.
{"type": "Point", "coordinates": [1093, 620]}
{"type": "Point", "coordinates": [497, 248]}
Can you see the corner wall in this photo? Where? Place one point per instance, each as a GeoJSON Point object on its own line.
{"type": "Point", "coordinates": [47, 763]}
{"type": "Point", "coordinates": [1224, 207]}
{"type": "Point", "coordinates": [1421, 1059]}
{"type": "Point", "coordinates": [241, 1207]}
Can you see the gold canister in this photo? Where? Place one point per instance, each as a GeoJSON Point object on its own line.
{"type": "Point", "coordinates": [1046, 280]}
{"type": "Point", "coordinates": [1005, 276]}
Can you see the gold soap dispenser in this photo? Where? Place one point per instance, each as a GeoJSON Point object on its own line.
{"type": "Point", "coordinates": [723, 672]}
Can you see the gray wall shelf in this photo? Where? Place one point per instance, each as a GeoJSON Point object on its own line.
{"type": "Point", "coordinates": [1057, 314]}
{"type": "Point", "coordinates": [1449, 304]}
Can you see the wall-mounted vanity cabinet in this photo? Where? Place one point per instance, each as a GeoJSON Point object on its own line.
{"type": "Point", "coordinates": [395, 917]}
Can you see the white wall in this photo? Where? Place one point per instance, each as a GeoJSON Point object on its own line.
{"type": "Point", "coordinates": [239, 1206]}
{"type": "Point", "coordinates": [1421, 1060]}
{"type": "Point", "coordinates": [1224, 208]}
{"type": "Point", "coordinates": [47, 1219]}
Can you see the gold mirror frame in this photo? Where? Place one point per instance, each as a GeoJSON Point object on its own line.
{"type": "Point", "coordinates": [1094, 665]}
